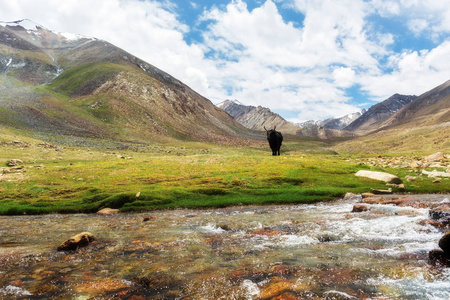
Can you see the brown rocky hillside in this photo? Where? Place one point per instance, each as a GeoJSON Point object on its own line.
{"type": "Point", "coordinates": [422, 126]}
{"type": "Point", "coordinates": [60, 84]}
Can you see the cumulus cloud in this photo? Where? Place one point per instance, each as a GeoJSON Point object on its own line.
{"type": "Point", "coordinates": [149, 30]}
{"type": "Point", "coordinates": [288, 67]}
{"type": "Point", "coordinates": [414, 72]}
{"type": "Point", "coordinates": [344, 77]}
{"type": "Point", "coordinates": [257, 56]}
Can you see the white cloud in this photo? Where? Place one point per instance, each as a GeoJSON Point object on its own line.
{"type": "Point", "coordinates": [344, 77]}
{"type": "Point", "coordinates": [415, 73]}
{"type": "Point", "coordinates": [259, 58]}
{"type": "Point", "coordinates": [194, 5]}
{"type": "Point", "coordinates": [428, 17]}
{"type": "Point", "coordinates": [417, 26]}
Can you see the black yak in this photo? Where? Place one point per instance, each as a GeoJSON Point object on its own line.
{"type": "Point", "coordinates": [275, 139]}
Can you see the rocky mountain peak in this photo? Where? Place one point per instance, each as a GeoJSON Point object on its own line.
{"type": "Point", "coordinates": [335, 122]}
{"type": "Point", "coordinates": [26, 24]}
{"type": "Point", "coordinates": [379, 112]}
{"type": "Point", "coordinates": [256, 117]}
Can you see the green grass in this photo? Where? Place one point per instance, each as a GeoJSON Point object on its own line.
{"type": "Point", "coordinates": [83, 79]}
{"type": "Point", "coordinates": [192, 175]}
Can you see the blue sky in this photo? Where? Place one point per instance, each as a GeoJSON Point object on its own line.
{"type": "Point", "coordinates": [305, 59]}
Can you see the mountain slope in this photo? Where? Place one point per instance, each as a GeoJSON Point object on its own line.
{"type": "Point", "coordinates": [324, 133]}
{"type": "Point", "coordinates": [334, 123]}
{"type": "Point", "coordinates": [341, 122]}
{"type": "Point", "coordinates": [431, 108]}
{"type": "Point", "coordinates": [257, 118]}
{"type": "Point", "coordinates": [423, 125]}
{"type": "Point", "coordinates": [72, 85]}
{"type": "Point", "coordinates": [371, 120]}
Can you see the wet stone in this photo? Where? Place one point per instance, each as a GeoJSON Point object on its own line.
{"type": "Point", "coordinates": [106, 285]}
{"type": "Point", "coordinates": [159, 281]}
{"type": "Point", "coordinates": [396, 201]}
{"type": "Point", "coordinates": [80, 240]}
{"type": "Point", "coordinates": [444, 243]}
{"type": "Point", "coordinates": [326, 239]}
{"type": "Point", "coordinates": [367, 195]}
{"type": "Point", "coordinates": [432, 223]}
{"type": "Point", "coordinates": [441, 214]}
{"type": "Point", "coordinates": [265, 232]}
{"type": "Point", "coordinates": [286, 296]}
{"type": "Point", "coordinates": [372, 200]}
{"type": "Point", "coordinates": [275, 289]}
{"type": "Point", "coordinates": [359, 208]}
{"type": "Point", "coordinates": [437, 256]}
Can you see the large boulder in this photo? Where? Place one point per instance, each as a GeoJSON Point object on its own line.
{"type": "Point", "coordinates": [80, 240]}
{"type": "Point", "coordinates": [435, 157]}
{"type": "Point", "coordinates": [435, 173]}
{"type": "Point", "coordinates": [383, 176]}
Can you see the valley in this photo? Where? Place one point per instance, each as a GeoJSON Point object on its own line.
{"type": "Point", "coordinates": [57, 178]}
{"type": "Point", "coordinates": [177, 197]}
{"type": "Point", "coordinates": [94, 127]}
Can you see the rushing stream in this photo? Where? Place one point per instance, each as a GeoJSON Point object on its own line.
{"type": "Point", "coordinates": [291, 252]}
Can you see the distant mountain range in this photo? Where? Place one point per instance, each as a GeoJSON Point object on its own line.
{"type": "Point", "coordinates": [334, 123]}
{"type": "Point", "coordinates": [422, 125]}
{"type": "Point", "coordinates": [75, 89]}
{"type": "Point", "coordinates": [371, 119]}
{"type": "Point", "coordinates": [257, 118]}
{"type": "Point", "coordinates": [394, 111]}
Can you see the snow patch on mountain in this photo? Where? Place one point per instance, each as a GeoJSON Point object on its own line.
{"type": "Point", "coordinates": [33, 28]}
{"type": "Point", "coordinates": [25, 24]}
{"type": "Point", "coordinates": [334, 123]}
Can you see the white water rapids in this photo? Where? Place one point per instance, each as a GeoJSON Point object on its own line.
{"type": "Point", "coordinates": [320, 251]}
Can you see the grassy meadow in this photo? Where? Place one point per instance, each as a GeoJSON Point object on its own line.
{"type": "Point", "coordinates": [54, 179]}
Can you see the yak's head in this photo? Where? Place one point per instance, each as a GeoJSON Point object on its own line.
{"type": "Point", "coordinates": [270, 132]}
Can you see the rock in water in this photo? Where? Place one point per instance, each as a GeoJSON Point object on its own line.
{"type": "Point", "coordinates": [383, 176]}
{"type": "Point", "coordinates": [444, 243]}
{"type": "Point", "coordinates": [439, 256]}
{"type": "Point", "coordinates": [359, 208]}
{"type": "Point", "coordinates": [80, 240]}
{"type": "Point", "coordinates": [382, 192]}
{"type": "Point", "coordinates": [441, 214]}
